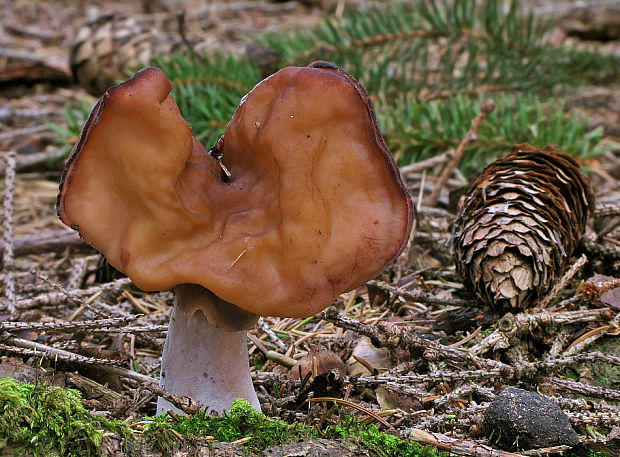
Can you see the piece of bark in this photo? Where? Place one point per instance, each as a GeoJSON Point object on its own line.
{"type": "Point", "coordinates": [29, 161]}
{"type": "Point", "coordinates": [15, 368]}
{"type": "Point", "coordinates": [456, 446]}
{"type": "Point", "coordinates": [90, 389]}
{"type": "Point", "coordinates": [16, 66]}
{"type": "Point", "coordinates": [593, 20]}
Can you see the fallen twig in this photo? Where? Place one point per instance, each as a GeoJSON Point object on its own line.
{"type": "Point", "coordinates": [511, 325]}
{"type": "Point", "coordinates": [100, 310]}
{"type": "Point", "coordinates": [435, 212]}
{"type": "Point", "coordinates": [37, 158]}
{"type": "Point", "coordinates": [599, 419]}
{"type": "Point", "coordinates": [461, 418]}
{"type": "Point", "coordinates": [561, 284]}
{"type": "Point", "coordinates": [7, 225]}
{"type": "Point", "coordinates": [92, 389]}
{"type": "Point", "coordinates": [606, 210]}
{"type": "Point", "coordinates": [418, 295]}
{"type": "Point", "coordinates": [424, 164]}
{"type": "Point", "coordinates": [390, 336]}
{"type": "Point", "coordinates": [69, 294]}
{"type": "Point", "coordinates": [274, 356]}
{"type": "Point", "coordinates": [442, 376]}
{"type": "Point", "coordinates": [19, 345]}
{"type": "Point", "coordinates": [465, 390]}
{"type": "Point", "coordinates": [48, 241]}
{"type": "Point", "coordinates": [64, 326]}
{"type": "Point", "coordinates": [582, 389]}
{"type": "Point", "coordinates": [78, 271]}
{"type": "Point", "coordinates": [34, 348]}
{"type": "Point", "coordinates": [546, 450]}
{"type": "Point", "coordinates": [605, 252]}
{"type": "Point", "coordinates": [271, 335]}
{"type": "Point", "coordinates": [56, 298]}
{"type": "Point", "coordinates": [486, 108]}
{"type": "Point", "coordinates": [577, 358]}
{"type": "Point", "coordinates": [132, 329]}
{"type": "Point", "coordinates": [456, 446]}
{"type": "Point", "coordinates": [26, 131]}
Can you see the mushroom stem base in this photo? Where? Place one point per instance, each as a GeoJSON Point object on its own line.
{"type": "Point", "coordinates": [205, 363]}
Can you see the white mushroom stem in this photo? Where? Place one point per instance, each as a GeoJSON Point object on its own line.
{"type": "Point", "coordinates": [204, 362]}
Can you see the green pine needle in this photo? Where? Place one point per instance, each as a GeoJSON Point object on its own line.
{"type": "Point", "coordinates": [417, 130]}
{"type": "Point", "coordinates": [208, 90]}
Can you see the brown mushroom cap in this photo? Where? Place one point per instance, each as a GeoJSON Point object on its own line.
{"type": "Point", "coordinates": [315, 206]}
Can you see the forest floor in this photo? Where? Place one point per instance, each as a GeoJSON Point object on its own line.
{"type": "Point", "coordinates": [436, 393]}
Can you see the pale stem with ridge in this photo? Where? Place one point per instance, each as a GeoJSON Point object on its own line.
{"type": "Point", "coordinates": [204, 362]}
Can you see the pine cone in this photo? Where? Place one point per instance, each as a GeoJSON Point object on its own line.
{"type": "Point", "coordinates": [518, 225]}
{"type": "Point", "coordinates": [108, 48]}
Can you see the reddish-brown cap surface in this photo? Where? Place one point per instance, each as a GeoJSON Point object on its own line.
{"type": "Point", "coordinates": [315, 206]}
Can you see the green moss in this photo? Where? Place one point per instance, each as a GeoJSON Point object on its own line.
{"type": "Point", "coordinates": [242, 421]}
{"type": "Point", "coordinates": [51, 421]}
{"type": "Point", "coordinates": [382, 444]}
{"type": "Point", "coordinates": [392, 446]}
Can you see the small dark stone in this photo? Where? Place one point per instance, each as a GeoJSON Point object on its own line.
{"type": "Point", "coordinates": [518, 419]}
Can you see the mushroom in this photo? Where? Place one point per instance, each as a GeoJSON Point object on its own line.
{"type": "Point", "coordinates": [300, 201]}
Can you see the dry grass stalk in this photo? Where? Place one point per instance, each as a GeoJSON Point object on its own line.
{"type": "Point", "coordinates": [353, 405]}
